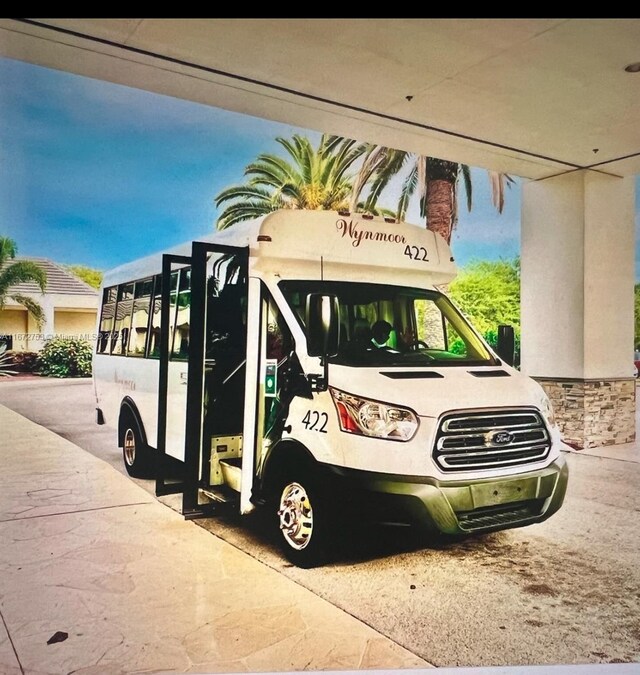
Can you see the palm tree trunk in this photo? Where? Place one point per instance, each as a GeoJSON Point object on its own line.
{"type": "Point", "coordinates": [441, 207]}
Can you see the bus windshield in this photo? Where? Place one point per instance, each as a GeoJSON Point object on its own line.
{"type": "Point", "coordinates": [382, 325]}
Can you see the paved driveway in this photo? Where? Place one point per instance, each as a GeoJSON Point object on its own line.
{"type": "Point", "coordinates": [564, 591]}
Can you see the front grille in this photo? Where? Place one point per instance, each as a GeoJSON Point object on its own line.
{"type": "Point", "coordinates": [490, 439]}
{"type": "Point", "coordinates": [498, 516]}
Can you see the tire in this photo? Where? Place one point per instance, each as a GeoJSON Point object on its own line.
{"type": "Point", "coordinates": [135, 453]}
{"type": "Point", "coordinates": [303, 519]}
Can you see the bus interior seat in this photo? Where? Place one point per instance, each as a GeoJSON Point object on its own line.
{"type": "Point", "coordinates": [361, 331]}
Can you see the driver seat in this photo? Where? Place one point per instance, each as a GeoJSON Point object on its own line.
{"type": "Point", "coordinates": [361, 332]}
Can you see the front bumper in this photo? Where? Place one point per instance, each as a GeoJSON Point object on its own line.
{"type": "Point", "coordinates": [456, 507]}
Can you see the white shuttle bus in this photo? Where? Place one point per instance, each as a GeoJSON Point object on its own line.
{"type": "Point", "coordinates": [305, 362]}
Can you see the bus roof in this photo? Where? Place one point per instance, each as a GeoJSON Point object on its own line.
{"type": "Point", "coordinates": [323, 245]}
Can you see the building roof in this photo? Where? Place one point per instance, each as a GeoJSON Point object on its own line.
{"type": "Point", "coordinates": [59, 280]}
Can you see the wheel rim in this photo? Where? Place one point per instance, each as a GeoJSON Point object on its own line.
{"type": "Point", "coordinates": [296, 516]}
{"type": "Point", "coordinates": [129, 447]}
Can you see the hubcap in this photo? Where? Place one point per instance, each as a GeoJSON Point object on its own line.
{"type": "Point", "coordinates": [296, 516]}
{"type": "Point", "coordinates": [129, 447]}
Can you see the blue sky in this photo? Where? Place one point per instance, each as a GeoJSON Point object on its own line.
{"type": "Point", "coordinates": [99, 174]}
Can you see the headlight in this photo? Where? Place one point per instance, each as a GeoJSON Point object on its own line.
{"type": "Point", "coordinates": [373, 418]}
{"type": "Point", "coordinates": [547, 411]}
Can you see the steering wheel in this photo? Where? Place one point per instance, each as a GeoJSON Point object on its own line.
{"type": "Point", "coordinates": [419, 343]}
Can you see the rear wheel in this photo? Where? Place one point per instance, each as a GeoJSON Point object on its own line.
{"type": "Point", "coordinates": [135, 453]}
{"type": "Point", "coordinates": [303, 520]}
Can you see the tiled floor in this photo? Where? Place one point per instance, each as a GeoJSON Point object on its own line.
{"type": "Point", "coordinates": [86, 552]}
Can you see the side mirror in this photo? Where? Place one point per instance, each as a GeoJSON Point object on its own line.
{"type": "Point", "coordinates": [506, 344]}
{"type": "Point", "coordinates": [323, 324]}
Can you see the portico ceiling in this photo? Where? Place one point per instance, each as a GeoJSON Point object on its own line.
{"type": "Point", "coordinates": [532, 97]}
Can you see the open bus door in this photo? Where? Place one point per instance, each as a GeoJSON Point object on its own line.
{"type": "Point", "coordinates": [219, 407]}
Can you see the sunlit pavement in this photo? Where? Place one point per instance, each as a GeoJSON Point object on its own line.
{"type": "Point", "coordinates": [98, 577]}
{"type": "Point", "coordinates": [566, 591]}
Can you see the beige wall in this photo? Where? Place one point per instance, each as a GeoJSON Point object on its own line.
{"type": "Point", "coordinates": [76, 324]}
{"type": "Point", "coordinates": [18, 322]}
{"type": "Point", "coordinates": [14, 322]}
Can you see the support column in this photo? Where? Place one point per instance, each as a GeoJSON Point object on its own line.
{"type": "Point", "coordinates": [578, 276]}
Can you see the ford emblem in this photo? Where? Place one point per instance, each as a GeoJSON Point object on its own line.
{"type": "Point", "coordinates": [499, 437]}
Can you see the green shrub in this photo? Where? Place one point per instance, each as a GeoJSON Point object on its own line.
{"type": "Point", "coordinates": [24, 362]}
{"type": "Point", "coordinates": [457, 346]}
{"type": "Point", "coordinates": [65, 357]}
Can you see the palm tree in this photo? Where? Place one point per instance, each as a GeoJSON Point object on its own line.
{"type": "Point", "coordinates": [435, 180]}
{"type": "Point", "coordinates": [12, 273]}
{"type": "Point", "coordinates": [313, 178]}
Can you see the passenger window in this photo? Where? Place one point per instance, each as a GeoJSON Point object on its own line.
{"type": "Point", "coordinates": [226, 310]}
{"type": "Point", "coordinates": [107, 316]}
{"type": "Point", "coordinates": [122, 326]}
{"type": "Point", "coordinates": [140, 319]}
{"type": "Point", "coordinates": [182, 300]}
{"type": "Point", "coordinates": [153, 349]}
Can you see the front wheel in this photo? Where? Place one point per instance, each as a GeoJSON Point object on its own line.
{"type": "Point", "coordinates": [136, 455]}
{"type": "Point", "coordinates": [303, 521]}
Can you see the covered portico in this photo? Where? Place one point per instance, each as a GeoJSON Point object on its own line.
{"type": "Point", "coordinates": [552, 100]}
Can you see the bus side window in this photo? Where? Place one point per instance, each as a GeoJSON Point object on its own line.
{"type": "Point", "coordinates": [107, 316]}
{"type": "Point", "coordinates": [140, 319]}
{"type": "Point", "coordinates": [124, 309]}
{"type": "Point", "coordinates": [180, 349]}
{"type": "Point", "coordinates": [153, 348]}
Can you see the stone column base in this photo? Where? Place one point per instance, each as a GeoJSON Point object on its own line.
{"type": "Point", "coordinates": [591, 413]}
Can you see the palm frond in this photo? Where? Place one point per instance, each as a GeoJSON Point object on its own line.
{"type": "Point", "coordinates": [379, 183]}
{"type": "Point", "coordinates": [499, 182]}
{"type": "Point", "coordinates": [237, 213]}
{"type": "Point", "coordinates": [422, 181]}
{"type": "Point", "coordinates": [391, 165]}
{"type": "Point", "coordinates": [466, 179]}
{"type": "Point", "coordinates": [20, 272]}
{"type": "Point", "coordinates": [300, 149]}
{"type": "Point", "coordinates": [329, 143]}
{"type": "Point", "coordinates": [374, 156]}
{"type": "Point", "coordinates": [342, 160]}
{"type": "Point", "coordinates": [248, 191]}
{"type": "Point", "coordinates": [377, 211]}
{"type": "Point", "coordinates": [270, 169]}
{"type": "Point", "coordinates": [32, 305]}
{"type": "Point", "coordinates": [408, 188]}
